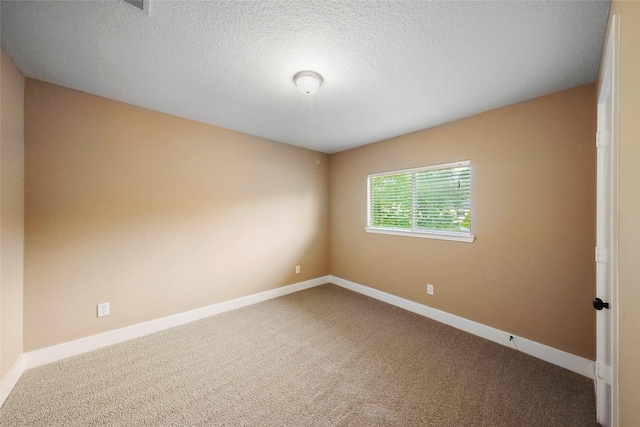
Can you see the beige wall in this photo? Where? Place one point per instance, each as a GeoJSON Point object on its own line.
{"type": "Point", "coordinates": [11, 213]}
{"type": "Point", "coordinates": [629, 206]}
{"type": "Point", "coordinates": [156, 214]}
{"type": "Point", "coordinates": [531, 270]}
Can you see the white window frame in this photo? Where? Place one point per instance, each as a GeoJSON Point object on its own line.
{"type": "Point", "coordinates": [426, 234]}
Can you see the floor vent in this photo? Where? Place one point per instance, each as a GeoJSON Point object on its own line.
{"type": "Point", "coordinates": [141, 5]}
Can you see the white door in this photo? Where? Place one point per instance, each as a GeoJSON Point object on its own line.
{"type": "Point", "coordinates": [605, 300]}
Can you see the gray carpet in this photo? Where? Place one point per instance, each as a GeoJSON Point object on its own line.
{"type": "Point", "coordinates": [321, 357]}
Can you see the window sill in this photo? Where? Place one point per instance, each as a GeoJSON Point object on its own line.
{"type": "Point", "coordinates": [456, 237]}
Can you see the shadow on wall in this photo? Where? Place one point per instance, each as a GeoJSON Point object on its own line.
{"type": "Point", "coordinates": [156, 215]}
{"type": "Point", "coordinates": [152, 260]}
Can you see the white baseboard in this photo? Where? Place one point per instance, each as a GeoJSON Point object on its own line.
{"type": "Point", "coordinates": [552, 355]}
{"type": "Point", "coordinates": [94, 342]}
{"type": "Point", "coordinates": [46, 355]}
{"type": "Point", "coordinates": [12, 379]}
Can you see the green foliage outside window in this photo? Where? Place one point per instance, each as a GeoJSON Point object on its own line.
{"type": "Point", "coordinates": [432, 199]}
{"type": "Point", "coordinates": [392, 201]}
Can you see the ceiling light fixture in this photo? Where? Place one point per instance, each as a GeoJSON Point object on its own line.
{"type": "Point", "coordinates": [308, 82]}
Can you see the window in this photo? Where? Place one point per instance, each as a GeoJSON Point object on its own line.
{"type": "Point", "coordinates": [432, 202]}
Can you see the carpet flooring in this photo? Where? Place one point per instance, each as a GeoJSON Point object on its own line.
{"type": "Point", "coordinates": [325, 356]}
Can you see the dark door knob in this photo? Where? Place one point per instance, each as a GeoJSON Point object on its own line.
{"type": "Point", "coordinates": [599, 305]}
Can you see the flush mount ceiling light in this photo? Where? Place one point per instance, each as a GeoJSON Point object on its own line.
{"type": "Point", "coordinates": [307, 82]}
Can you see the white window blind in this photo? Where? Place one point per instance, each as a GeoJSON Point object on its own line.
{"type": "Point", "coordinates": [433, 201]}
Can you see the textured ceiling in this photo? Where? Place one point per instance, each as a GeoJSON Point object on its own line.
{"type": "Point", "coordinates": [389, 67]}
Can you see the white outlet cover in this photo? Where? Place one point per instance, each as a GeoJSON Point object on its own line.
{"type": "Point", "coordinates": [103, 309]}
{"type": "Point", "coordinates": [430, 289]}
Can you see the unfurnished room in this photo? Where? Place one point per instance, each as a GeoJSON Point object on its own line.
{"type": "Point", "coordinates": [320, 213]}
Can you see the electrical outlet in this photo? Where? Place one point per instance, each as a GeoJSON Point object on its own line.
{"type": "Point", "coordinates": [430, 289]}
{"type": "Point", "coordinates": [103, 309]}
{"type": "Point", "coordinates": [297, 269]}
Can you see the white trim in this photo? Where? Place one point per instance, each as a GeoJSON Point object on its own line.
{"type": "Point", "coordinates": [456, 237]}
{"type": "Point", "coordinates": [10, 381]}
{"type": "Point", "coordinates": [94, 342]}
{"type": "Point", "coordinates": [451, 165]}
{"type": "Point", "coordinates": [552, 355]}
{"type": "Point", "coordinates": [46, 355]}
{"type": "Point", "coordinates": [607, 233]}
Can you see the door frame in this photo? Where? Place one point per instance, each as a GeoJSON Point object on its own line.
{"type": "Point", "coordinates": [607, 230]}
